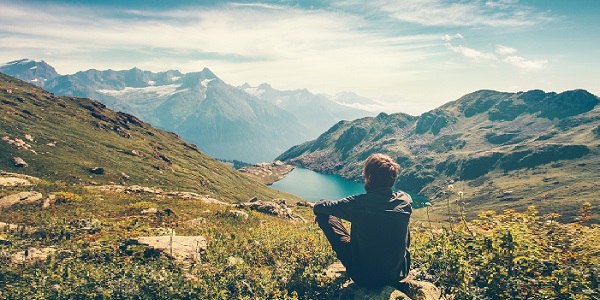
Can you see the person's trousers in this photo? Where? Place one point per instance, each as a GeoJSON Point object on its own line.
{"type": "Point", "coordinates": [338, 236]}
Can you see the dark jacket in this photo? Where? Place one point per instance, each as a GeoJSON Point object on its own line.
{"type": "Point", "coordinates": [379, 236]}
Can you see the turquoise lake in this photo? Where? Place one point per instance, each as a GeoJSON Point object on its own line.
{"type": "Point", "coordinates": [313, 186]}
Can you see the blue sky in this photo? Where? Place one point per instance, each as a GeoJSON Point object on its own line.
{"type": "Point", "coordinates": [413, 54]}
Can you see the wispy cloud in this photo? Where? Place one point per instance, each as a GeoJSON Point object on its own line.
{"type": "Point", "coordinates": [504, 55]}
{"type": "Point", "coordinates": [504, 50]}
{"type": "Point", "coordinates": [526, 64]}
{"type": "Point", "coordinates": [500, 13]}
{"type": "Point", "coordinates": [289, 47]}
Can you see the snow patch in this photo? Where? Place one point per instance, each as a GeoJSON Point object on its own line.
{"type": "Point", "coordinates": [33, 68]}
{"type": "Point", "coordinates": [161, 91]}
{"type": "Point", "coordinates": [254, 91]}
{"type": "Point", "coordinates": [34, 80]}
{"type": "Point", "coordinates": [17, 62]}
{"type": "Point", "coordinates": [151, 82]}
{"type": "Point", "coordinates": [206, 81]}
{"type": "Point", "coordinates": [175, 78]}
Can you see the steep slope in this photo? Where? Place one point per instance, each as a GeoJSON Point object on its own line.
{"type": "Point", "coordinates": [532, 145]}
{"type": "Point", "coordinates": [82, 141]}
{"type": "Point", "coordinates": [315, 112]}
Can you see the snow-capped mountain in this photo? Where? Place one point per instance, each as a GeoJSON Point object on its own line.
{"type": "Point", "coordinates": [227, 122]}
{"type": "Point", "coordinates": [36, 72]}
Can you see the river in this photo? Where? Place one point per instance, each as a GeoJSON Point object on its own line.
{"type": "Point", "coordinates": [313, 186]}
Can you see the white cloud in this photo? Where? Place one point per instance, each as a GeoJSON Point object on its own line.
{"type": "Point", "coordinates": [526, 64]}
{"type": "Point", "coordinates": [504, 50]}
{"type": "Point", "coordinates": [448, 38]}
{"type": "Point", "coordinates": [481, 56]}
{"type": "Point", "coordinates": [471, 53]}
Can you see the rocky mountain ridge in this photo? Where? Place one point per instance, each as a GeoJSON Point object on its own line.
{"type": "Point", "coordinates": [226, 122]}
{"type": "Point", "coordinates": [537, 145]}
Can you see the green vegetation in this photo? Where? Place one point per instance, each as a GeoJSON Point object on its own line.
{"type": "Point", "coordinates": [511, 255]}
{"type": "Point", "coordinates": [76, 242]}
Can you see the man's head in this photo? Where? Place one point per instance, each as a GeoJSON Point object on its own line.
{"type": "Point", "coordinates": [380, 171]}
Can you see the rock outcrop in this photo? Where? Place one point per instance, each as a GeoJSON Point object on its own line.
{"type": "Point", "coordinates": [411, 289]}
{"type": "Point", "coordinates": [181, 248]}
{"type": "Point", "coordinates": [32, 255]}
{"type": "Point", "coordinates": [277, 208]}
{"type": "Point", "coordinates": [136, 189]}
{"type": "Point", "coordinates": [267, 172]}
{"type": "Point", "coordinates": [22, 197]}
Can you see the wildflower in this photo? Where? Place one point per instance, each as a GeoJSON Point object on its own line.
{"type": "Point", "coordinates": [461, 194]}
{"type": "Point", "coordinates": [56, 287]}
{"type": "Point", "coordinates": [451, 187]}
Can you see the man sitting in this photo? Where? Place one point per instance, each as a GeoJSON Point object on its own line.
{"type": "Point", "coordinates": [375, 253]}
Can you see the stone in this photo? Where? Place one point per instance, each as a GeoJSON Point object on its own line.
{"type": "Point", "coordinates": [182, 248]}
{"type": "Point", "coordinates": [97, 170]}
{"type": "Point", "coordinates": [412, 289]}
{"type": "Point", "coordinates": [22, 197]}
{"type": "Point", "coordinates": [305, 203]}
{"type": "Point", "coordinates": [13, 181]}
{"type": "Point", "coordinates": [149, 211]}
{"type": "Point", "coordinates": [19, 162]}
{"type": "Point", "coordinates": [240, 214]}
{"type": "Point", "coordinates": [272, 208]}
{"type": "Point", "coordinates": [32, 255]}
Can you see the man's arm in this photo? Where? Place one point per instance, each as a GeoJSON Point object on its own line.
{"type": "Point", "coordinates": [342, 208]}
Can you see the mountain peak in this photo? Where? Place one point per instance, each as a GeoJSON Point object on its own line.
{"type": "Point", "coordinates": [36, 72]}
{"type": "Point", "coordinates": [208, 73]}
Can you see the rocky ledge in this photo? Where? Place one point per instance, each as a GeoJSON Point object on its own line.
{"type": "Point", "coordinates": [267, 172]}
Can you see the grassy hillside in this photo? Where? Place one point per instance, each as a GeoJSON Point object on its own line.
{"type": "Point", "coordinates": [61, 237]}
{"type": "Point", "coordinates": [65, 137]}
{"type": "Point", "coordinates": [502, 150]}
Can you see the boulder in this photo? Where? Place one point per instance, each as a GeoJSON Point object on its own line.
{"type": "Point", "coordinates": [97, 170]}
{"type": "Point", "coordinates": [22, 197]}
{"type": "Point", "coordinates": [32, 255]}
{"type": "Point", "coordinates": [182, 248]}
{"type": "Point", "coordinates": [277, 208]}
{"type": "Point", "coordinates": [240, 214]}
{"type": "Point", "coordinates": [19, 162]}
{"type": "Point", "coordinates": [13, 181]}
{"type": "Point", "coordinates": [411, 289]}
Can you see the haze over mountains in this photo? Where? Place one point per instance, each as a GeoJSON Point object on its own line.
{"type": "Point", "coordinates": [244, 123]}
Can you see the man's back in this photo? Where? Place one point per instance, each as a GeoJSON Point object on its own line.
{"type": "Point", "coordinates": [379, 238]}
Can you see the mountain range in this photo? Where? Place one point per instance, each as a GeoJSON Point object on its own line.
{"type": "Point", "coordinates": [243, 123]}
{"type": "Point", "coordinates": [499, 149]}
{"type": "Point", "coordinates": [81, 141]}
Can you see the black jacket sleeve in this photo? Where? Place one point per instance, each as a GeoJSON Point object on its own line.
{"type": "Point", "coordinates": [344, 208]}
